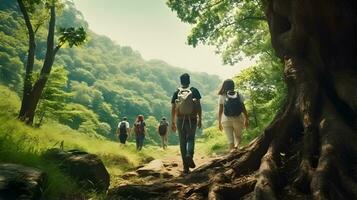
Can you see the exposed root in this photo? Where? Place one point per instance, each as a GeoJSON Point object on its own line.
{"type": "Point", "coordinates": [267, 178]}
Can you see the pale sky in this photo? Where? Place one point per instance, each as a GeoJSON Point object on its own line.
{"type": "Point", "coordinates": [151, 28]}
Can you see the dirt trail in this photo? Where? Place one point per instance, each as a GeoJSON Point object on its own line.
{"type": "Point", "coordinates": [163, 168]}
{"type": "Point", "coordinates": [199, 160]}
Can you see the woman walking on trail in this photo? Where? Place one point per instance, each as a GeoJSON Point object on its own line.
{"type": "Point", "coordinates": [230, 118]}
{"type": "Point", "coordinates": [140, 132]}
{"type": "Point", "coordinates": [162, 129]}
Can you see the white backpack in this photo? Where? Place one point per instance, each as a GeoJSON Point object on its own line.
{"type": "Point", "coordinates": [184, 101]}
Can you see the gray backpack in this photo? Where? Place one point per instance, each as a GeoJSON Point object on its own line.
{"type": "Point", "coordinates": [184, 101]}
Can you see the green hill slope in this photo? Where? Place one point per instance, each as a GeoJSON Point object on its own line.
{"type": "Point", "coordinates": [99, 82]}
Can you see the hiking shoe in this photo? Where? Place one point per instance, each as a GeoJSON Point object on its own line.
{"type": "Point", "coordinates": [186, 170]}
{"type": "Point", "coordinates": [190, 162]}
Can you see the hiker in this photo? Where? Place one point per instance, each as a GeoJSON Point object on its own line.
{"type": "Point", "coordinates": [230, 118]}
{"type": "Point", "coordinates": [123, 130]}
{"type": "Point", "coordinates": [186, 116]}
{"type": "Point", "coordinates": [162, 129]}
{"type": "Point", "coordinates": [140, 132]}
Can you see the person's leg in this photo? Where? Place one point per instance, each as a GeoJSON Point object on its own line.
{"type": "Point", "coordinates": [238, 128]}
{"type": "Point", "coordinates": [142, 141]}
{"type": "Point", "coordinates": [137, 140]}
{"type": "Point", "coordinates": [123, 138]}
{"type": "Point", "coordinates": [228, 130]}
{"type": "Point", "coordinates": [165, 140]}
{"type": "Point", "coordinates": [183, 143]}
{"type": "Point", "coordinates": [162, 141]}
{"type": "Point", "coordinates": [191, 133]}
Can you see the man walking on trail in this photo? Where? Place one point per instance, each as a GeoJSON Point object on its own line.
{"type": "Point", "coordinates": [123, 130]}
{"type": "Point", "coordinates": [162, 129]}
{"type": "Point", "coordinates": [186, 116]}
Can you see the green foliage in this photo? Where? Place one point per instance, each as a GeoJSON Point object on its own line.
{"type": "Point", "coordinates": [73, 36]}
{"type": "Point", "coordinates": [105, 81]}
{"type": "Point", "coordinates": [24, 145]}
{"type": "Point", "coordinates": [265, 90]}
{"type": "Point", "coordinates": [212, 141]}
{"type": "Point", "coordinates": [53, 97]}
{"type": "Point", "coordinates": [236, 28]}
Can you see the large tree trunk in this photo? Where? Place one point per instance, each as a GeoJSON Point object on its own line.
{"type": "Point", "coordinates": [29, 104]}
{"type": "Point", "coordinates": [309, 151]}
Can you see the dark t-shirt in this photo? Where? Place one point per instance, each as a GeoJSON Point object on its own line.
{"type": "Point", "coordinates": [195, 94]}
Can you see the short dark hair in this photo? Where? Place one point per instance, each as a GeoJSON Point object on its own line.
{"type": "Point", "coordinates": [124, 118]}
{"type": "Point", "coordinates": [185, 79]}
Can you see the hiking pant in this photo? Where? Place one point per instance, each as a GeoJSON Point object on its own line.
{"type": "Point", "coordinates": [140, 141]}
{"type": "Point", "coordinates": [164, 140]}
{"type": "Point", "coordinates": [187, 130]}
{"type": "Point", "coordinates": [122, 138]}
{"type": "Point", "coordinates": [233, 128]}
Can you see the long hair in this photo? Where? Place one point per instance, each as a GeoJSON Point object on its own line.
{"type": "Point", "coordinates": [228, 85]}
{"type": "Point", "coordinates": [140, 118]}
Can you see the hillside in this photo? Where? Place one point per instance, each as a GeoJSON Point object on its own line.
{"type": "Point", "coordinates": [99, 82]}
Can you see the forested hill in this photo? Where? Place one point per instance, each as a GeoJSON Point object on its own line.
{"type": "Point", "coordinates": [92, 86]}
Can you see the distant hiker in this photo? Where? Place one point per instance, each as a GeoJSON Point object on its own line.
{"type": "Point", "coordinates": [186, 115]}
{"type": "Point", "coordinates": [140, 132]}
{"type": "Point", "coordinates": [162, 129]}
{"type": "Point", "coordinates": [230, 118]}
{"type": "Point", "coordinates": [123, 130]}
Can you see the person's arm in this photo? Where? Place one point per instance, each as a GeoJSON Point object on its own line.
{"type": "Point", "coordinates": [246, 120]}
{"type": "Point", "coordinates": [117, 131]}
{"type": "Point", "coordinates": [173, 117]}
{"type": "Point", "coordinates": [196, 95]}
{"type": "Point", "coordinates": [145, 131]}
{"type": "Point", "coordinates": [199, 113]}
{"type": "Point", "coordinates": [220, 113]}
{"type": "Point", "coordinates": [128, 130]}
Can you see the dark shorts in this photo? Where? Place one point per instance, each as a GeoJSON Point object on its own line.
{"type": "Point", "coordinates": [122, 138]}
{"type": "Point", "coordinates": [162, 134]}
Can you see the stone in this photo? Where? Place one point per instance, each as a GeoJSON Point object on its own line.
{"type": "Point", "coordinates": [21, 182]}
{"type": "Point", "coordinates": [84, 167]}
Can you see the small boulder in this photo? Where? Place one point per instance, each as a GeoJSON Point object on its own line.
{"type": "Point", "coordinates": [82, 166]}
{"type": "Point", "coordinates": [153, 168]}
{"type": "Point", "coordinates": [20, 182]}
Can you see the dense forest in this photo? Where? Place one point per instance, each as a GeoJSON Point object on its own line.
{"type": "Point", "coordinates": [92, 86]}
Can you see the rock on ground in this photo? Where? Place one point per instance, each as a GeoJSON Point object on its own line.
{"type": "Point", "coordinates": [82, 166]}
{"type": "Point", "coordinates": [20, 182]}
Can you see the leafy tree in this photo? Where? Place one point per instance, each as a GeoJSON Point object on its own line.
{"type": "Point", "coordinates": [53, 97]}
{"type": "Point", "coordinates": [109, 80]}
{"type": "Point", "coordinates": [236, 28]}
{"type": "Point", "coordinates": [72, 36]}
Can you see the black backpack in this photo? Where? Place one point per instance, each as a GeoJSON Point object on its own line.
{"type": "Point", "coordinates": [163, 127]}
{"type": "Point", "coordinates": [233, 105]}
{"type": "Point", "coordinates": [122, 127]}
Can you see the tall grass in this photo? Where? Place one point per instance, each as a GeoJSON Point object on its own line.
{"type": "Point", "coordinates": [24, 145]}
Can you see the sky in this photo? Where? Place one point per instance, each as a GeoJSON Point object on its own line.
{"type": "Point", "coordinates": [151, 28]}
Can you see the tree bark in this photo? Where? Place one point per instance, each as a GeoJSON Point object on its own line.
{"type": "Point", "coordinates": [29, 63]}
{"type": "Point", "coordinates": [309, 150]}
{"type": "Point", "coordinates": [36, 91]}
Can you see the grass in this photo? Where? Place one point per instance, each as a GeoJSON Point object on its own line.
{"type": "Point", "coordinates": [24, 145]}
